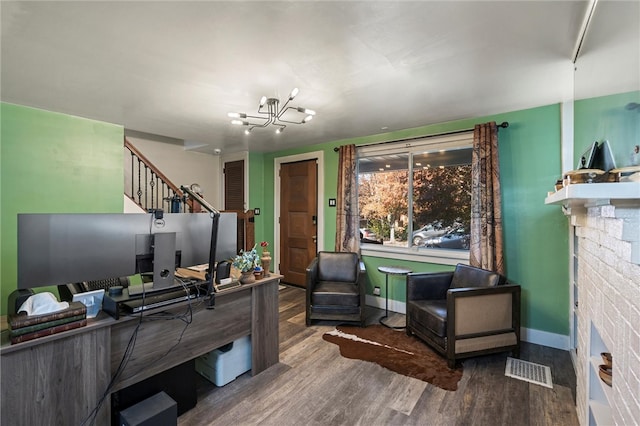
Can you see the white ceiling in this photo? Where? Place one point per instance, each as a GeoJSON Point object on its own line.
{"type": "Point", "coordinates": [177, 68]}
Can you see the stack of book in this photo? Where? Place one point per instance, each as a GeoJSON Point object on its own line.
{"type": "Point", "coordinates": [23, 327]}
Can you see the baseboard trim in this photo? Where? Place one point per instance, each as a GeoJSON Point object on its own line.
{"type": "Point", "coordinates": [379, 302]}
{"type": "Point", "coordinates": [530, 335]}
{"type": "Point", "coordinates": [544, 338]}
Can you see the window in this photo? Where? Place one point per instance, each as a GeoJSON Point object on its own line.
{"type": "Point", "coordinates": [416, 195]}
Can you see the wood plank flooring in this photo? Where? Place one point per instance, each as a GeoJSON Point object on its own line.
{"type": "Point", "coordinates": [314, 385]}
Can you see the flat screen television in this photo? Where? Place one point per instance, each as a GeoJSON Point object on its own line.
{"type": "Point", "coordinates": [69, 248]}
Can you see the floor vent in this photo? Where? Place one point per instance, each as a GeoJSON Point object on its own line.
{"type": "Point", "coordinates": [529, 372]}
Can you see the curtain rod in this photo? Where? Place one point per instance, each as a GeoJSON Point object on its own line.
{"type": "Point", "coordinates": [503, 125]}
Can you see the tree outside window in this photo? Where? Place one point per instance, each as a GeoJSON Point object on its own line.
{"type": "Point", "coordinates": [438, 213]}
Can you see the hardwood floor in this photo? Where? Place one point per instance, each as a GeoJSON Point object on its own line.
{"type": "Point", "coordinates": [314, 385]}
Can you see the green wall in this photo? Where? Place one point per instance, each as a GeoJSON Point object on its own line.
{"type": "Point", "coordinates": [606, 118]}
{"type": "Point", "coordinates": [41, 172]}
{"type": "Point", "coordinates": [53, 163]}
{"type": "Point", "coordinates": [536, 235]}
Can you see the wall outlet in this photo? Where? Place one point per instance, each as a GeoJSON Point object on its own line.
{"type": "Point", "coordinates": [376, 291]}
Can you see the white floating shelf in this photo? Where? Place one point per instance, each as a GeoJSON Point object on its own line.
{"type": "Point", "coordinates": [594, 194]}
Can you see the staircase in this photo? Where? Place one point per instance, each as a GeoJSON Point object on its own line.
{"type": "Point", "coordinates": [151, 190]}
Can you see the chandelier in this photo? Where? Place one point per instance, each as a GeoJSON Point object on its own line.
{"type": "Point", "coordinates": [272, 113]}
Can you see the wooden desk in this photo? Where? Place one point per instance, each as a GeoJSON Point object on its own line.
{"type": "Point", "coordinates": [59, 379]}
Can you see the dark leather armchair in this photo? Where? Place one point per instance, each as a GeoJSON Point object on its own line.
{"type": "Point", "coordinates": [335, 288]}
{"type": "Point", "coordinates": [464, 313]}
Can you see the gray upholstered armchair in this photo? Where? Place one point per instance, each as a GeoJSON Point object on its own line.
{"type": "Point", "coordinates": [464, 313]}
{"type": "Point", "coordinates": [335, 288]}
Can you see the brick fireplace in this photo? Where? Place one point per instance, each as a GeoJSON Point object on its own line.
{"type": "Point", "coordinates": [606, 286]}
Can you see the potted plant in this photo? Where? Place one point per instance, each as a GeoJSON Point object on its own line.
{"type": "Point", "coordinates": [246, 262]}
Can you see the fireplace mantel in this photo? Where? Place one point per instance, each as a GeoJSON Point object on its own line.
{"type": "Point", "coordinates": [620, 200]}
{"type": "Point", "coordinates": [577, 197]}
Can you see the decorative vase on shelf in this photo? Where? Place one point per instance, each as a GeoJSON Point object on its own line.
{"type": "Point", "coordinates": [247, 277]}
{"type": "Point", "coordinates": [265, 260]}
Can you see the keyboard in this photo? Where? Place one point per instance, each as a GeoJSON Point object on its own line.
{"type": "Point", "coordinates": [157, 301]}
{"type": "Point", "coordinates": [107, 283]}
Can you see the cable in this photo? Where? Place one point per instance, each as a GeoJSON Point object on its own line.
{"type": "Point", "coordinates": [187, 317]}
{"type": "Point", "coordinates": [91, 417]}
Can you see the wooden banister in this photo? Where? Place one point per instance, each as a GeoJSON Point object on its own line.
{"type": "Point", "coordinates": [153, 179]}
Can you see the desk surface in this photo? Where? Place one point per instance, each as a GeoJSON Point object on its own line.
{"type": "Point", "coordinates": [104, 320]}
{"type": "Point", "coordinates": [39, 376]}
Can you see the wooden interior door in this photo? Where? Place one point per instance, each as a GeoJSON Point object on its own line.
{"type": "Point", "coordinates": [234, 199]}
{"type": "Point", "coordinates": [298, 219]}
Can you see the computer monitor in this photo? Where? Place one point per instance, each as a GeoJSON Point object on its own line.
{"type": "Point", "coordinates": [68, 248]}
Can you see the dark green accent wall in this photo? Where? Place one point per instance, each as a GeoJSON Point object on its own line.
{"type": "Point", "coordinates": [53, 163]}
{"type": "Point", "coordinates": [606, 118]}
{"type": "Point", "coordinates": [536, 235]}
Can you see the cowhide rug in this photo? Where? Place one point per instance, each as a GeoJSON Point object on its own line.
{"type": "Point", "coordinates": [395, 351]}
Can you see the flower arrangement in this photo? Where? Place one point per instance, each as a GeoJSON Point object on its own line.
{"type": "Point", "coordinates": [246, 260]}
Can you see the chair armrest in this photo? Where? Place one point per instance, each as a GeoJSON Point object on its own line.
{"type": "Point", "coordinates": [312, 273]}
{"type": "Point", "coordinates": [362, 285]}
{"type": "Point", "coordinates": [479, 291]}
{"type": "Point", "coordinates": [478, 310]}
{"type": "Point", "coordinates": [428, 286]}
{"type": "Point", "coordinates": [362, 275]}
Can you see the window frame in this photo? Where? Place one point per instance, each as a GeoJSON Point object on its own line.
{"type": "Point", "coordinates": [456, 140]}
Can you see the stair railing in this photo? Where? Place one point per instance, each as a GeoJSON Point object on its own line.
{"type": "Point", "coordinates": [148, 187]}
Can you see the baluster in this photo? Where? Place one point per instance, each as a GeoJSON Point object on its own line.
{"type": "Point", "coordinates": [146, 187]}
{"type": "Point", "coordinates": [132, 175]}
{"type": "Point", "coordinates": [139, 183]}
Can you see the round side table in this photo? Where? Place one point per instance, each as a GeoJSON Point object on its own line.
{"type": "Point", "coordinates": [390, 270]}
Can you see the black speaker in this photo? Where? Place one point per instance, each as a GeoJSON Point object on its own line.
{"type": "Point", "coordinates": [178, 383]}
{"type": "Point", "coordinates": [158, 410]}
{"type": "Point", "coordinates": [223, 270]}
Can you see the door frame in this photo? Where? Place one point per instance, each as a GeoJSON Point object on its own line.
{"type": "Point", "coordinates": [277, 163]}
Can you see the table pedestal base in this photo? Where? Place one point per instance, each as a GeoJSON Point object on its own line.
{"type": "Point", "coordinates": [390, 270]}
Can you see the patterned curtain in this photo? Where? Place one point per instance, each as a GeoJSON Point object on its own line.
{"type": "Point", "coordinates": [347, 233]}
{"type": "Point", "coordinates": [486, 249]}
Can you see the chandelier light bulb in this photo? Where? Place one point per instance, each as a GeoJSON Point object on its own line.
{"type": "Point", "coordinates": [294, 93]}
{"type": "Point", "coordinates": [233, 115]}
{"type": "Point", "coordinates": [237, 122]}
{"type": "Point", "coordinates": [247, 131]}
{"type": "Point", "coordinates": [279, 130]}
{"type": "Point", "coordinates": [263, 100]}
{"type": "Point", "coordinates": [307, 118]}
